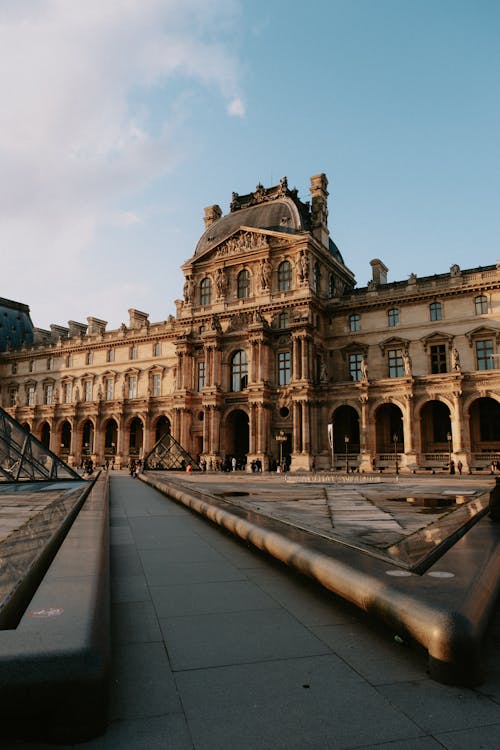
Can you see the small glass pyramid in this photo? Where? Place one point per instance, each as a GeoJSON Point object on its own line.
{"type": "Point", "coordinates": [23, 458]}
{"type": "Point", "coordinates": [168, 455]}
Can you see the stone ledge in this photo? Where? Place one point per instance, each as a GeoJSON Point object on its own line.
{"type": "Point", "coordinates": [446, 610]}
{"type": "Point", "coordinates": [54, 667]}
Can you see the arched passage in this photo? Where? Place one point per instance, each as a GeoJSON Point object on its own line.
{"type": "Point", "coordinates": [237, 434]}
{"type": "Point", "coordinates": [65, 438]}
{"type": "Point", "coordinates": [45, 435]}
{"type": "Point", "coordinates": [87, 438]}
{"type": "Point", "coordinates": [110, 438]}
{"type": "Point", "coordinates": [136, 434]}
{"type": "Point", "coordinates": [345, 430]}
{"type": "Point", "coordinates": [389, 429]}
{"type": "Point", "coordinates": [162, 428]}
{"type": "Point", "coordinates": [435, 427]}
{"type": "Point", "coordinates": [485, 426]}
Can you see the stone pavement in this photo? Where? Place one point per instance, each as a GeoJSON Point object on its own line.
{"type": "Point", "coordinates": [218, 647]}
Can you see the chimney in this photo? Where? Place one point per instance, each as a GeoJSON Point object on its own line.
{"type": "Point", "coordinates": [76, 329]}
{"type": "Point", "coordinates": [96, 326]}
{"type": "Point", "coordinates": [379, 271]}
{"type": "Point", "coordinates": [212, 213]}
{"type": "Point", "coordinates": [319, 206]}
{"type": "Point", "coordinates": [59, 332]}
{"type": "Point", "coordinates": [138, 319]}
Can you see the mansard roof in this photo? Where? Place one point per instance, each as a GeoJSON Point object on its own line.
{"type": "Point", "coordinates": [16, 327]}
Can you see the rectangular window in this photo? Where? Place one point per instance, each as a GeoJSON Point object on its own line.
{"type": "Point", "coordinates": [156, 384]}
{"type": "Point", "coordinates": [31, 395]}
{"type": "Point", "coordinates": [355, 323]}
{"type": "Point", "coordinates": [111, 355]}
{"type": "Point", "coordinates": [435, 311]}
{"type": "Point", "coordinates": [283, 320]}
{"type": "Point", "coordinates": [133, 352]}
{"type": "Point", "coordinates": [69, 360]}
{"type": "Point", "coordinates": [88, 390]}
{"type": "Point", "coordinates": [484, 351]}
{"type": "Point", "coordinates": [355, 362]}
{"type": "Point", "coordinates": [157, 349]}
{"type": "Point", "coordinates": [481, 304]}
{"type": "Point", "coordinates": [14, 368]}
{"type": "Point", "coordinates": [438, 359]}
{"type": "Point", "coordinates": [132, 386]}
{"type": "Point", "coordinates": [110, 389]}
{"type": "Point", "coordinates": [49, 393]}
{"type": "Point", "coordinates": [12, 397]}
{"type": "Point", "coordinates": [393, 317]}
{"type": "Point", "coordinates": [67, 393]}
{"type": "Point", "coordinates": [396, 366]}
{"type": "Point", "coordinates": [284, 369]}
{"type": "Point", "coordinates": [201, 375]}
{"type": "Point", "coordinates": [50, 363]}
{"type": "Point", "coordinates": [89, 358]}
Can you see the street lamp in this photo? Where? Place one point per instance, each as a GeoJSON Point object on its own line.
{"type": "Point", "coordinates": [280, 438]}
{"type": "Point", "coordinates": [448, 438]}
{"type": "Point", "coordinates": [346, 441]}
{"type": "Point", "coordinates": [395, 441]}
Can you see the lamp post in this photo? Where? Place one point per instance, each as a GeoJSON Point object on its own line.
{"type": "Point", "coordinates": [395, 441]}
{"type": "Point", "coordinates": [280, 438]}
{"type": "Point", "coordinates": [346, 441]}
{"type": "Point", "coordinates": [448, 438]}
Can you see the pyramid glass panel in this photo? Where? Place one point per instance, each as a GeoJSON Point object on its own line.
{"type": "Point", "coordinates": [169, 455]}
{"type": "Point", "coordinates": [24, 458]}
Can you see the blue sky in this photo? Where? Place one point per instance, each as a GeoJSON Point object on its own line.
{"type": "Point", "coordinates": [122, 120]}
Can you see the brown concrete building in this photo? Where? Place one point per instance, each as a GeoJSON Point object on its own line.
{"type": "Point", "coordinates": [270, 344]}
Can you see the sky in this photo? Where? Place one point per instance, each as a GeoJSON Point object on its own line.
{"type": "Point", "coordinates": [122, 120]}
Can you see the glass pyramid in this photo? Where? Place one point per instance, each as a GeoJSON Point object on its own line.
{"type": "Point", "coordinates": [168, 455]}
{"type": "Point", "coordinates": [23, 458]}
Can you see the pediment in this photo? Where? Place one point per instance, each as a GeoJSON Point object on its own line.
{"type": "Point", "coordinates": [394, 342]}
{"type": "Point", "coordinates": [438, 337]}
{"type": "Point", "coordinates": [483, 332]}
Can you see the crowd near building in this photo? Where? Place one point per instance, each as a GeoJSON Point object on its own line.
{"type": "Point", "coordinates": [274, 356]}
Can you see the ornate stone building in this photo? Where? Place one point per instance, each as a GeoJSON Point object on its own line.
{"type": "Point", "coordinates": [271, 343]}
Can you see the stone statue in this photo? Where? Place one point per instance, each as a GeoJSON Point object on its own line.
{"type": "Point", "coordinates": [303, 268]}
{"type": "Point", "coordinates": [188, 290]}
{"type": "Point", "coordinates": [221, 282]}
{"type": "Point", "coordinates": [323, 371]}
{"type": "Point", "coordinates": [407, 362]}
{"type": "Point", "coordinates": [455, 359]}
{"type": "Point", "coordinates": [364, 370]}
{"type": "Point", "coordinates": [265, 273]}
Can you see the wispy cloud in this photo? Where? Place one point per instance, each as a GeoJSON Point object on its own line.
{"type": "Point", "coordinates": [77, 132]}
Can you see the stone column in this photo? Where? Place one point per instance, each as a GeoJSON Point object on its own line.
{"type": "Point", "coordinates": [216, 418]}
{"type": "Point", "coordinates": [297, 428]}
{"type": "Point", "coordinates": [306, 427]}
{"type": "Point", "coordinates": [252, 429]}
{"type": "Point", "coordinates": [206, 429]}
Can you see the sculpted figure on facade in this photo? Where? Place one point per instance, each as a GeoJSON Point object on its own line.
{"type": "Point", "coordinates": [364, 370]}
{"type": "Point", "coordinates": [188, 290]}
{"type": "Point", "coordinates": [407, 362]}
{"type": "Point", "coordinates": [265, 273]}
{"type": "Point", "coordinates": [323, 371]}
{"type": "Point", "coordinates": [303, 268]}
{"type": "Point", "coordinates": [455, 359]}
{"type": "Point", "coordinates": [221, 282]}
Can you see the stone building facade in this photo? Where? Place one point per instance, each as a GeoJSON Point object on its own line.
{"type": "Point", "coordinates": [275, 354]}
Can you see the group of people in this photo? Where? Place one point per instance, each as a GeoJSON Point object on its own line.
{"type": "Point", "coordinates": [134, 467]}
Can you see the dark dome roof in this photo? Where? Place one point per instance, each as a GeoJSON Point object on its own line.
{"type": "Point", "coordinates": [16, 327]}
{"type": "Point", "coordinates": [279, 215]}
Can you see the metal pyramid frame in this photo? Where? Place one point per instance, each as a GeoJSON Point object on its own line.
{"type": "Point", "coordinates": [23, 458]}
{"type": "Point", "coordinates": [168, 455]}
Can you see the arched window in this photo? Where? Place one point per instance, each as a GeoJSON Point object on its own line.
{"type": "Point", "coordinates": [239, 371]}
{"type": "Point", "coordinates": [284, 276]}
{"type": "Point", "coordinates": [481, 304]}
{"type": "Point", "coordinates": [243, 284]}
{"type": "Point", "coordinates": [206, 291]}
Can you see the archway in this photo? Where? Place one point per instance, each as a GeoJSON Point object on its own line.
{"type": "Point", "coordinates": [389, 429]}
{"type": "Point", "coordinates": [162, 428]}
{"type": "Point", "coordinates": [135, 437]}
{"type": "Point", "coordinates": [485, 426]}
{"type": "Point", "coordinates": [110, 438]}
{"type": "Point", "coordinates": [65, 438]}
{"type": "Point", "coordinates": [237, 435]}
{"type": "Point", "coordinates": [45, 435]}
{"type": "Point", "coordinates": [435, 427]}
{"type": "Point", "coordinates": [87, 438]}
{"type": "Point", "coordinates": [345, 430]}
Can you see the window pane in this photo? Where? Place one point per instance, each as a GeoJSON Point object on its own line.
{"type": "Point", "coordinates": [438, 358]}
{"type": "Point", "coordinates": [355, 323]}
{"type": "Point", "coordinates": [393, 316]}
{"type": "Point", "coordinates": [88, 390]}
{"type": "Point", "coordinates": [481, 303]}
{"type": "Point", "coordinates": [284, 276]}
{"type": "Point", "coordinates": [355, 361]}
{"type": "Point", "coordinates": [156, 384]}
{"type": "Point", "coordinates": [484, 351]}
{"type": "Point", "coordinates": [243, 284]}
{"type": "Point", "coordinates": [132, 386]}
{"type": "Point", "coordinates": [396, 367]}
{"type": "Point", "coordinates": [435, 310]}
{"type": "Point", "coordinates": [284, 368]}
{"type": "Point", "coordinates": [239, 371]}
{"type": "Point", "coordinates": [201, 375]}
{"type": "Point", "coordinates": [109, 389]}
{"type": "Point", "coordinates": [283, 320]}
{"type": "Point", "coordinates": [206, 292]}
